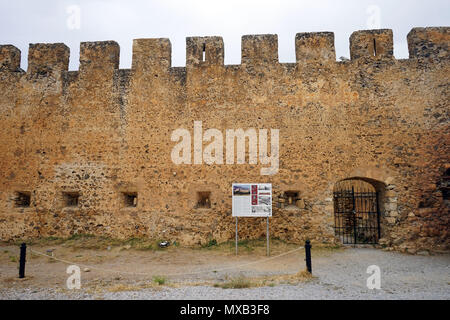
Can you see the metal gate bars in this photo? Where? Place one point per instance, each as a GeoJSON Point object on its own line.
{"type": "Point", "coordinates": [356, 212]}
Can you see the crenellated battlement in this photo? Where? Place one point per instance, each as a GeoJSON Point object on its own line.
{"type": "Point", "coordinates": [151, 54]}
{"type": "Point", "coordinates": [45, 59]}
{"type": "Point", "coordinates": [204, 51]}
{"type": "Point", "coordinates": [9, 58]}
{"type": "Point", "coordinates": [429, 42]}
{"type": "Point", "coordinates": [377, 44]}
{"type": "Point", "coordinates": [315, 46]}
{"type": "Point", "coordinates": [259, 49]}
{"type": "Point", "coordinates": [95, 56]}
{"type": "Point", "coordinates": [256, 51]}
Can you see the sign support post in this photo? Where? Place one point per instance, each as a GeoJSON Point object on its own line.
{"type": "Point", "coordinates": [236, 235]}
{"type": "Point", "coordinates": [268, 250]}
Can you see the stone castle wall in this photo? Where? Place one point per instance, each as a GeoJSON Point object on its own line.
{"type": "Point", "coordinates": [102, 133]}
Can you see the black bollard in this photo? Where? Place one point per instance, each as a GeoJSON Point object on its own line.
{"type": "Point", "coordinates": [23, 253]}
{"type": "Point", "coordinates": [308, 256]}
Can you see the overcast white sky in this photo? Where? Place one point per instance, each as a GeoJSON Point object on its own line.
{"type": "Point", "coordinates": [69, 21]}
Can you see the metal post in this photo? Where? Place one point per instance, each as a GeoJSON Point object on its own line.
{"type": "Point", "coordinates": [23, 253]}
{"type": "Point", "coordinates": [268, 250]}
{"type": "Point", "coordinates": [236, 235]}
{"type": "Point", "coordinates": [308, 256]}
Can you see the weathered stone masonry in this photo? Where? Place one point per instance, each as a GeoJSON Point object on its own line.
{"type": "Point", "coordinates": [88, 151]}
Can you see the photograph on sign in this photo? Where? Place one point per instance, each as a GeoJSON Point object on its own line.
{"type": "Point", "coordinates": [241, 190]}
{"type": "Point", "coordinates": [252, 200]}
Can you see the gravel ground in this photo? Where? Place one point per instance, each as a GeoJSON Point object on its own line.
{"type": "Point", "coordinates": [341, 275]}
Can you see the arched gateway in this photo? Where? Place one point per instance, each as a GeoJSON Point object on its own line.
{"type": "Point", "coordinates": [356, 212]}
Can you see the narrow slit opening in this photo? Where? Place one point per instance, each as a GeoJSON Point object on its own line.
{"type": "Point", "coordinates": [374, 48]}
{"type": "Point", "coordinates": [204, 52]}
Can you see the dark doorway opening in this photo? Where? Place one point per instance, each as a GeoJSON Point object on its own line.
{"type": "Point", "coordinates": [356, 212]}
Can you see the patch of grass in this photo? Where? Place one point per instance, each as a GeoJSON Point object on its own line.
{"type": "Point", "coordinates": [248, 245]}
{"type": "Point", "coordinates": [236, 283]}
{"type": "Point", "coordinates": [302, 276]}
{"type": "Point", "coordinates": [160, 280]}
{"type": "Point", "coordinates": [13, 258]}
{"type": "Point", "coordinates": [211, 243]}
{"type": "Point", "coordinates": [123, 287]}
{"type": "Point", "coordinates": [245, 244]}
{"type": "Point", "coordinates": [81, 236]}
{"type": "Point", "coordinates": [271, 281]}
{"type": "Point", "coordinates": [147, 247]}
{"type": "Point", "coordinates": [90, 241]}
{"type": "Point", "coordinates": [141, 244]}
{"type": "Point", "coordinates": [252, 246]}
{"type": "Point", "coordinates": [44, 241]}
{"type": "Point", "coordinates": [52, 238]}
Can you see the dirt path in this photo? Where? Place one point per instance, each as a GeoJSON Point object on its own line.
{"type": "Point", "coordinates": [186, 273]}
{"type": "Point", "coordinates": [125, 265]}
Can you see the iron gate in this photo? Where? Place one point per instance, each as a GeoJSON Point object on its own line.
{"type": "Point", "coordinates": [356, 212]}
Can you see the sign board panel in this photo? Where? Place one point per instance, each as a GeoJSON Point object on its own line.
{"type": "Point", "coordinates": [252, 199]}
